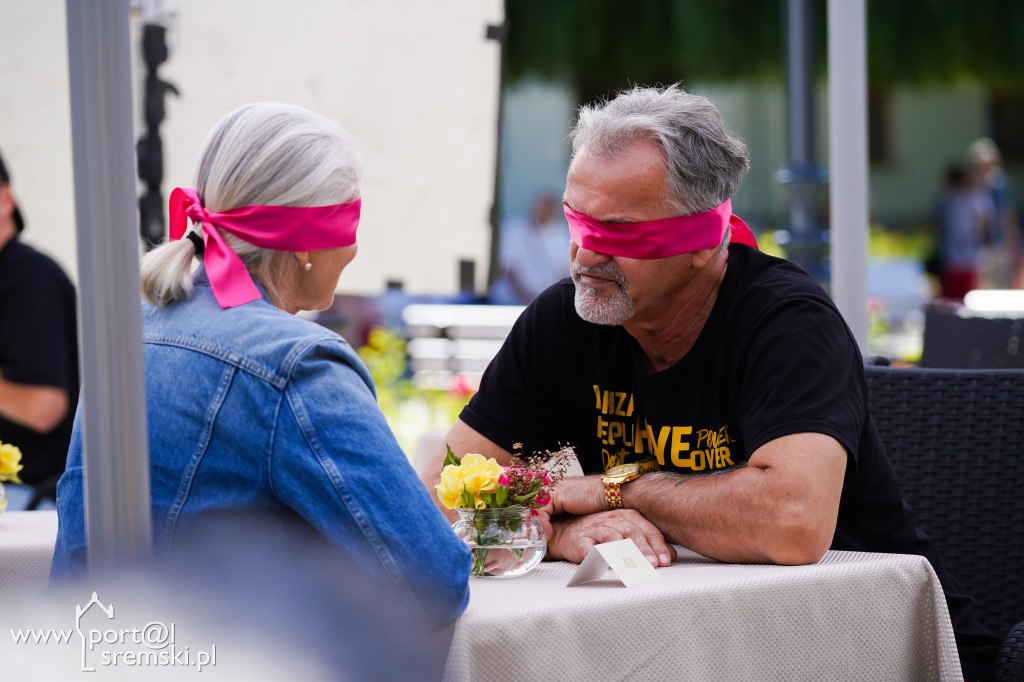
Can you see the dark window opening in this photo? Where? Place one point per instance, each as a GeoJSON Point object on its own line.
{"type": "Point", "coordinates": [879, 127]}
{"type": "Point", "coordinates": [1006, 111]}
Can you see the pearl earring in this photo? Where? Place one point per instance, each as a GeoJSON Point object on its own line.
{"type": "Point", "coordinates": [309, 266]}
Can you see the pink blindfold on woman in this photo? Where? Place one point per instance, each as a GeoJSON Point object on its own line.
{"type": "Point", "coordinates": [284, 228]}
{"type": "Point", "coordinates": [658, 238]}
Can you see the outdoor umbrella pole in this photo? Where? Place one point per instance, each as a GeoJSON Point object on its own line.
{"type": "Point", "coordinates": [115, 446]}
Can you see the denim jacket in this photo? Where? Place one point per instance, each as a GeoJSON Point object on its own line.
{"type": "Point", "coordinates": [251, 408]}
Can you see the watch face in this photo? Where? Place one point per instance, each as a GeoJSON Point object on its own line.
{"type": "Point", "coordinates": [623, 469]}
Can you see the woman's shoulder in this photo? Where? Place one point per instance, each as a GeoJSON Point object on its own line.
{"type": "Point", "coordinates": [256, 335]}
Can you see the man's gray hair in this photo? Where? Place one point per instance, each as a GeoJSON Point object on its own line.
{"type": "Point", "coordinates": [705, 161]}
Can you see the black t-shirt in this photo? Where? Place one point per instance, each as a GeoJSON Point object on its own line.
{"type": "Point", "coordinates": [38, 346]}
{"type": "Point", "coordinates": [774, 358]}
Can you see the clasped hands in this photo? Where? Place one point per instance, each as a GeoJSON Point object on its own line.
{"type": "Point", "coordinates": [576, 519]}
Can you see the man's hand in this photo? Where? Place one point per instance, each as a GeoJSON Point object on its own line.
{"type": "Point", "coordinates": [572, 537]}
{"type": "Point", "coordinates": [576, 519]}
{"type": "Point", "coordinates": [577, 495]}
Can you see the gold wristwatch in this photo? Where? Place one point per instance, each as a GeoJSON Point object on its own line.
{"type": "Point", "coordinates": [615, 477]}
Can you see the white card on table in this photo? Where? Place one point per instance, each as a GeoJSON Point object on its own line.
{"type": "Point", "coordinates": [625, 560]}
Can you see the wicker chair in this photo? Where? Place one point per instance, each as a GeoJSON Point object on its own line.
{"type": "Point", "coordinates": [955, 341]}
{"type": "Point", "coordinates": [956, 441]}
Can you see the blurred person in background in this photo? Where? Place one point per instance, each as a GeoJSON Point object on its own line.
{"type": "Point", "coordinates": [252, 410]}
{"type": "Point", "coordinates": [38, 356]}
{"type": "Point", "coordinates": [1004, 248]}
{"type": "Point", "coordinates": [532, 250]}
{"type": "Point", "coordinates": [965, 216]}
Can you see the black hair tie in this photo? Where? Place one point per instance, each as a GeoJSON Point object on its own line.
{"type": "Point", "coordinates": [197, 241]}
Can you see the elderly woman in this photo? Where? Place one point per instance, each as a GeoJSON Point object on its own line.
{"type": "Point", "coordinates": [251, 409]}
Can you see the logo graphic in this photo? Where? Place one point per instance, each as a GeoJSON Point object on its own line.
{"type": "Point", "coordinates": [152, 645]}
{"type": "Point", "coordinates": [79, 612]}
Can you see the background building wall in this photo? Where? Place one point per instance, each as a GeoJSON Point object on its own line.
{"type": "Point", "coordinates": [534, 142]}
{"type": "Point", "coordinates": [415, 83]}
{"type": "Point", "coordinates": [927, 128]}
{"type": "Point", "coordinates": [930, 129]}
{"type": "Point", "coordinates": [35, 125]}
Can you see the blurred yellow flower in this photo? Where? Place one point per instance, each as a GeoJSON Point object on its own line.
{"type": "Point", "coordinates": [10, 463]}
{"type": "Point", "coordinates": [474, 475]}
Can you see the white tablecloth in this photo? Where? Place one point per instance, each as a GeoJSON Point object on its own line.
{"type": "Point", "coordinates": [26, 550]}
{"type": "Point", "coordinates": [852, 616]}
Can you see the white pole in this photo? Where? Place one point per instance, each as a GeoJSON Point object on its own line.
{"type": "Point", "coordinates": [115, 445]}
{"type": "Point", "coordinates": [848, 162]}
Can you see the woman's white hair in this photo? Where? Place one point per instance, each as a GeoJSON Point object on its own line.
{"type": "Point", "coordinates": [263, 154]}
{"type": "Point", "coordinates": [704, 160]}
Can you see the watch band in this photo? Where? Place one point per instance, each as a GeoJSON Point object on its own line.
{"type": "Point", "coordinates": [613, 494]}
{"type": "Point", "coordinates": [613, 480]}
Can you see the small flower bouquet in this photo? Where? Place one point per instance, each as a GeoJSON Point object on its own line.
{"type": "Point", "coordinates": [10, 465]}
{"type": "Point", "coordinates": [497, 506]}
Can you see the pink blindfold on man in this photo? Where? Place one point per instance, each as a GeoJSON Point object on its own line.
{"type": "Point", "coordinates": [283, 228]}
{"type": "Point", "coordinates": [658, 238]}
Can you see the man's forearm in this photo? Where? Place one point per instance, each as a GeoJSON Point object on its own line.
{"type": "Point", "coordinates": [40, 408]}
{"type": "Point", "coordinates": [729, 516]}
{"type": "Point", "coordinates": [708, 514]}
{"type": "Point", "coordinates": [781, 507]}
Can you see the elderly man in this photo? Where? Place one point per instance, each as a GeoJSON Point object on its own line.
{"type": "Point", "coordinates": [729, 373]}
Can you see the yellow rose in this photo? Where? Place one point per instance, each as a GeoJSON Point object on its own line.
{"type": "Point", "coordinates": [10, 462]}
{"type": "Point", "coordinates": [474, 475]}
{"type": "Point", "coordinates": [449, 490]}
{"type": "Point", "coordinates": [481, 475]}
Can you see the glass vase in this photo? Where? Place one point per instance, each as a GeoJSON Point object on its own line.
{"type": "Point", "coordinates": [506, 542]}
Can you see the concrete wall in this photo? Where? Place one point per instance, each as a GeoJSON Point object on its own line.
{"type": "Point", "coordinates": [35, 126]}
{"type": "Point", "coordinates": [415, 83]}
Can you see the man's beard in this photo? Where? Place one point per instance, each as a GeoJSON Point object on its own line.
{"type": "Point", "coordinates": [600, 308]}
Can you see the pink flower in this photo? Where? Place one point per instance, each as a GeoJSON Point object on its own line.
{"type": "Point", "coordinates": [503, 480]}
{"type": "Point", "coordinates": [533, 512]}
{"type": "Point", "coordinates": [543, 498]}
{"type": "Point", "coordinates": [547, 479]}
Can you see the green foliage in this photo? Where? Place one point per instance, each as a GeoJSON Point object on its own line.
{"type": "Point", "coordinates": [410, 411]}
{"type": "Point", "coordinates": [941, 41]}
{"type": "Point", "coordinates": [450, 458]}
{"type": "Point", "coordinates": [384, 355]}
{"type": "Point", "coordinates": [605, 45]}
{"type": "Point", "coordinates": [885, 243]}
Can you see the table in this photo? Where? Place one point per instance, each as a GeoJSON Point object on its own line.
{"type": "Point", "coordinates": [851, 616]}
{"type": "Point", "coordinates": [26, 550]}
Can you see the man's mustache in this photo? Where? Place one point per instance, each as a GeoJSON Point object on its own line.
{"type": "Point", "coordinates": [606, 270]}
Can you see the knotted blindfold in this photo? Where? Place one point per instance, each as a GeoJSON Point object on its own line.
{"type": "Point", "coordinates": [283, 228]}
{"type": "Point", "coordinates": [658, 238]}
